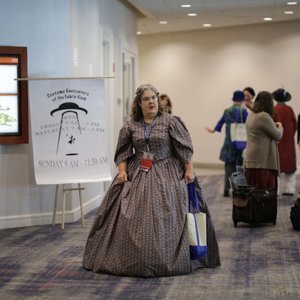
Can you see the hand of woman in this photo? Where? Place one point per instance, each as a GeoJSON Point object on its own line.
{"type": "Point", "coordinates": [209, 130]}
{"type": "Point", "coordinates": [189, 176]}
{"type": "Point", "coordinates": [189, 172]}
{"type": "Point", "coordinates": [122, 176]}
{"type": "Point", "coordinates": [249, 104]}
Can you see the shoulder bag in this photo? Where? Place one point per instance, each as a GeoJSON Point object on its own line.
{"type": "Point", "coordinates": [238, 134]}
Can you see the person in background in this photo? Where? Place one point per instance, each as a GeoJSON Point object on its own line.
{"type": "Point", "coordinates": [298, 131]}
{"type": "Point", "coordinates": [249, 94]}
{"type": "Point", "coordinates": [284, 114]}
{"type": "Point", "coordinates": [261, 160]}
{"type": "Point", "coordinates": [231, 156]}
{"type": "Point", "coordinates": [166, 103]}
{"type": "Point", "coordinates": [141, 229]}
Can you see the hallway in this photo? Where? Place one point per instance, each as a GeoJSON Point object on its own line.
{"type": "Point", "coordinates": [44, 262]}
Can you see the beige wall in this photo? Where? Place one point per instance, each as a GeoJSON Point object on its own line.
{"type": "Point", "coordinates": [201, 69]}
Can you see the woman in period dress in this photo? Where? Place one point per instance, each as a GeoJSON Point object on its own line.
{"type": "Point", "coordinates": [287, 147]}
{"type": "Point", "coordinates": [140, 229]}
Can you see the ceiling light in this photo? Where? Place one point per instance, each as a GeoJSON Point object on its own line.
{"type": "Point", "coordinates": [268, 19]}
{"type": "Point", "coordinates": [292, 3]}
{"type": "Point", "coordinates": [192, 14]}
{"type": "Point", "coordinates": [163, 22]}
{"type": "Point", "coordinates": [185, 5]}
{"type": "Point", "coordinates": [206, 25]}
{"type": "Point", "coordinates": [139, 32]}
{"type": "Point", "coordinates": [289, 12]}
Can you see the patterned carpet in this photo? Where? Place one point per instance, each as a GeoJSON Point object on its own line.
{"type": "Point", "coordinates": [44, 262]}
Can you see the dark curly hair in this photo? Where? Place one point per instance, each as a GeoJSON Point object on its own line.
{"type": "Point", "coordinates": [264, 102]}
{"type": "Point", "coordinates": [250, 90]}
{"type": "Point", "coordinates": [136, 111]}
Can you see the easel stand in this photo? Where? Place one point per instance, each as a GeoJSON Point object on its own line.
{"type": "Point", "coordinates": [64, 190]}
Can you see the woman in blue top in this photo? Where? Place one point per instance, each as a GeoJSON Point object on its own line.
{"type": "Point", "coordinates": [231, 156]}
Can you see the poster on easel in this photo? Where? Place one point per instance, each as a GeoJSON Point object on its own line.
{"type": "Point", "coordinates": [69, 131]}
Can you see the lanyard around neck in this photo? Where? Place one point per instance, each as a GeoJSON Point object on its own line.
{"type": "Point", "coordinates": [147, 130]}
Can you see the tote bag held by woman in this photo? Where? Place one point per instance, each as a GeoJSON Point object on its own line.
{"type": "Point", "coordinates": [196, 225]}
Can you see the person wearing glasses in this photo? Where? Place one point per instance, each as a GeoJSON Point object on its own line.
{"type": "Point", "coordinates": [140, 229]}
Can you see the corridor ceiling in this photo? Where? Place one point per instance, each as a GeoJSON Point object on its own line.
{"type": "Point", "coordinates": [217, 13]}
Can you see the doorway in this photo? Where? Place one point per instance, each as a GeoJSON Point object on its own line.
{"type": "Point", "coordinates": [128, 81]}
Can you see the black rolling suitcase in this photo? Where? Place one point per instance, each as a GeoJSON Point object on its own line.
{"type": "Point", "coordinates": [241, 210]}
{"type": "Point", "coordinates": [295, 215]}
{"type": "Point", "coordinates": [254, 205]}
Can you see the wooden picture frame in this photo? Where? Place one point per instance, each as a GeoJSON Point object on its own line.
{"type": "Point", "coordinates": [13, 95]}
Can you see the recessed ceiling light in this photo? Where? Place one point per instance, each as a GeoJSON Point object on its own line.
{"type": "Point", "coordinates": [292, 3]}
{"type": "Point", "coordinates": [289, 12]}
{"type": "Point", "coordinates": [163, 22]}
{"type": "Point", "coordinates": [139, 32]}
{"type": "Point", "coordinates": [185, 5]}
{"type": "Point", "coordinates": [206, 25]}
{"type": "Point", "coordinates": [268, 19]}
{"type": "Point", "coordinates": [192, 14]}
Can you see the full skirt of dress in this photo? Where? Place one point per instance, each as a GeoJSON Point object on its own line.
{"type": "Point", "coordinates": [141, 227]}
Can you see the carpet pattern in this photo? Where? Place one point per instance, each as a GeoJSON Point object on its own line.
{"type": "Point", "coordinates": [44, 262]}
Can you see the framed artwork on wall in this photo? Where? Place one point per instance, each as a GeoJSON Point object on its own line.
{"type": "Point", "coordinates": [13, 95]}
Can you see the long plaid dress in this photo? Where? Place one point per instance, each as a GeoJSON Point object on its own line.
{"type": "Point", "coordinates": [140, 229]}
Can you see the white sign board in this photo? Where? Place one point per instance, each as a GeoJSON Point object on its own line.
{"type": "Point", "coordinates": [69, 131]}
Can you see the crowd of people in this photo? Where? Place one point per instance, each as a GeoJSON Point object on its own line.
{"type": "Point", "coordinates": [269, 158]}
{"type": "Point", "coordinates": [140, 228]}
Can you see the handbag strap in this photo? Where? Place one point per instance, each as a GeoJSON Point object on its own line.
{"type": "Point", "coordinates": [241, 114]}
{"type": "Point", "coordinates": [238, 118]}
{"type": "Point", "coordinates": [194, 206]}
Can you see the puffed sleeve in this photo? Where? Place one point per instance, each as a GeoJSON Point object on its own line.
{"type": "Point", "coordinates": [124, 147]}
{"type": "Point", "coordinates": [181, 139]}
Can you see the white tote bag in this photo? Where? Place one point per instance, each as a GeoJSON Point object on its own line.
{"type": "Point", "coordinates": [197, 229]}
{"type": "Point", "coordinates": [238, 134]}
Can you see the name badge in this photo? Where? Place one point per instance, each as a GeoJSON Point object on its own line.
{"type": "Point", "coordinates": [146, 162]}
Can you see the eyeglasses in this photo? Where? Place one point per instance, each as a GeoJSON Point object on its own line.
{"type": "Point", "coordinates": [153, 98]}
